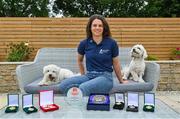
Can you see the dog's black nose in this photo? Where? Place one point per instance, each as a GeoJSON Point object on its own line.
{"type": "Point", "coordinates": [50, 75]}
{"type": "Point", "coordinates": [134, 50]}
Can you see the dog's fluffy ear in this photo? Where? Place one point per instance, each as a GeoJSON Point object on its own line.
{"type": "Point", "coordinates": [58, 68]}
{"type": "Point", "coordinates": [145, 55]}
{"type": "Point", "coordinates": [130, 52]}
{"type": "Point", "coordinates": [44, 69]}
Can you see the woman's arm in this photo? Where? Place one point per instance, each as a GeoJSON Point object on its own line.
{"type": "Point", "coordinates": [117, 69]}
{"type": "Point", "coordinates": [80, 64]}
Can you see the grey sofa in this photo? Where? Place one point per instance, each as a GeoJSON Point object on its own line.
{"type": "Point", "coordinates": [29, 75]}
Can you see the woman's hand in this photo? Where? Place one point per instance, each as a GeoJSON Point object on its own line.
{"type": "Point", "coordinates": [117, 69]}
{"type": "Point", "coordinates": [124, 81]}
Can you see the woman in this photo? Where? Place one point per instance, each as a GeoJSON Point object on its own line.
{"type": "Point", "coordinates": [101, 53]}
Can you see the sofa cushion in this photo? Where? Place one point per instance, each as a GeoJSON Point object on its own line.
{"type": "Point", "coordinates": [34, 88]}
{"type": "Point", "coordinates": [131, 86]}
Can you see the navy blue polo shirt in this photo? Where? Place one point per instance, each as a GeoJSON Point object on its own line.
{"type": "Point", "coordinates": [99, 56]}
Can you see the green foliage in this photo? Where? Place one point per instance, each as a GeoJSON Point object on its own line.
{"type": "Point", "coordinates": [152, 58]}
{"type": "Point", "coordinates": [24, 8]}
{"type": "Point", "coordinates": [118, 8]}
{"type": "Point", "coordinates": [175, 53]}
{"type": "Point", "coordinates": [19, 52]}
{"type": "Point", "coordinates": [162, 8]}
{"type": "Point", "coordinates": [86, 8]}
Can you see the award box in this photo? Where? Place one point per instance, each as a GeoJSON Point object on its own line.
{"type": "Point", "coordinates": [3, 100]}
{"type": "Point", "coordinates": [98, 102]}
{"type": "Point", "coordinates": [149, 102]}
{"type": "Point", "coordinates": [119, 101]}
{"type": "Point", "coordinates": [132, 101]}
{"type": "Point", "coordinates": [13, 103]}
{"type": "Point", "coordinates": [46, 101]}
{"type": "Point", "coordinates": [27, 104]}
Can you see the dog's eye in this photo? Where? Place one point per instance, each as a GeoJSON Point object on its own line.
{"type": "Point", "coordinates": [47, 70]}
{"type": "Point", "coordinates": [53, 71]}
{"type": "Point", "coordinates": [139, 48]}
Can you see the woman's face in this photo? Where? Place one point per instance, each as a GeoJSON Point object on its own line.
{"type": "Point", "coordinates": [97, 28]}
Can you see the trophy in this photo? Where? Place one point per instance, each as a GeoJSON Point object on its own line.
{"type": "Point", "coordinates": [74, 96]}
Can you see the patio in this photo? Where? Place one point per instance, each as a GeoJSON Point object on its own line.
{"type": "Point", "coordinates": [127, 31]}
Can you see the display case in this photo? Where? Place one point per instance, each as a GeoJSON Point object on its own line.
{"type": "Point", "coordinates": [27, 104]}
{"type": "Point", "coordinates": [119, 101]}
{"type": "Point", "coordinates": [98, 102]}
{"type": "Point", "coordinates": [132, 101]}
{"type": "Point", "coordinates": [149, 102]}
{"type": "Point", "coordinates": [3, 101]}
{"type": "Point", "coordinates": [46, 101]}
{"type": "Point", "coordinates": [12, 103]}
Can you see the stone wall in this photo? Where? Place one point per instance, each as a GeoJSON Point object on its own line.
{"type": "Point", "coordinates": [169, 79]}
{"type": "Point", "coordinates": [8, 82]}
{"type": "Point", "coordinates": [170, 76]}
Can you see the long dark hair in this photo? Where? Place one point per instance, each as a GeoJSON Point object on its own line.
{"type": "Point", "coordinates": [106, 29]}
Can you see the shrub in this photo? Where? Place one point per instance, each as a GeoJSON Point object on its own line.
{"type": "Point", "coordinates": [175, 53]}
{"type": "Point", "coordinates": [151, 58]}
{"type": "Point", "coordinates": [19, 52]}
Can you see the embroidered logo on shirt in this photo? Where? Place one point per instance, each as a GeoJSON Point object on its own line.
{"type": "Point", "coordinates": [103, 51]}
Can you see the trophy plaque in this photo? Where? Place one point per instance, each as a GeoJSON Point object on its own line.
{"type": "Point", "coordinates": [132, 102]}
{"type": "Point", "coordinates": [46, 101]}
{"type": "Point", "coordinates": [74, 96]}
{"type": "Point", "coordinates": [119, 101]}
{"type": "Point", "coordinates": [98, 102]}
{"type": "Point", "coordinates": [27, 104]}
{"type": "Point", "coordinates": [149, 102]}
{"type": "Point", "coordinates": [13, 103]}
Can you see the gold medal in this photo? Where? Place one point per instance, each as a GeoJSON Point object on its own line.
{"type": "Point", "coordinates": [118, 103]}
{"type": "Point", "coordinates": [30, 109]}
{"type": "Point", "coordinates": [12, 108]}
{"type": "Point", "coordinates": [99, 98]}
{"type": "Point", "coordinates": [148, 107]}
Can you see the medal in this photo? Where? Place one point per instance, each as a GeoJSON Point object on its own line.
{"type": "Point", "coordinates": [99, 98]}
{"type": "Point", "coordinates": [118, 103]}
{"type": "Point", "coordinates": [30, 109]}
{"type": "Point", "coordinates": [131, 106]}
{"type": "Point", "coordinates": [12, 108]}
{"type": "Point", "coordinates": [148, 107]}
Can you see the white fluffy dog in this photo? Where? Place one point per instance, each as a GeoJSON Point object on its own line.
{"type": "Point", "coordinates": [135, 70]}
{"type": "Point", "coordinates": [54, 74]}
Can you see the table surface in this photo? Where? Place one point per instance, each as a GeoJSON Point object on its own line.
{"type": "Point", "coordinates": [78, 111]}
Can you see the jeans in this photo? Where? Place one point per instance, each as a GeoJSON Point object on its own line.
{"type": "Point", "coordinates": [92, 82]}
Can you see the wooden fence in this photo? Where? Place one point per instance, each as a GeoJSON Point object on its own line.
{"type": "Point", "coordinates": [158, 35]}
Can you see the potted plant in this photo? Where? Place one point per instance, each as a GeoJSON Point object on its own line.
{"type": "Point", "coordinates": [19, 52]}
{"type": "Point", "coordinates": [176, 53]}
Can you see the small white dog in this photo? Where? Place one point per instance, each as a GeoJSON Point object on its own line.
{"type": "Point", "coordinates": [54, 74]}
{"type": "Point", "coordinates": [135, 70]}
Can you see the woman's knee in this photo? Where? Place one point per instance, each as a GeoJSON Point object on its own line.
{"type": "Point", "coordinates": [96, 87]}
{"type": "Point", "coordinates": [71, 82]}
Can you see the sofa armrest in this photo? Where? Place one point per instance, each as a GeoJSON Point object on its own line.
{"type": "Point", "coordinates": [152, 74]}
{"type": "Point", "coordinates": [27, 73]}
